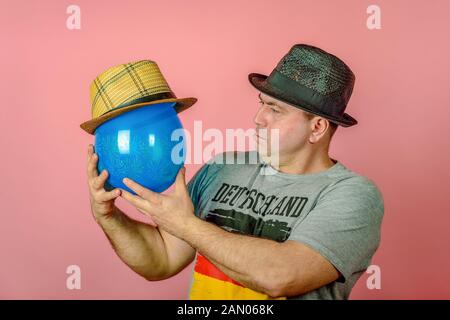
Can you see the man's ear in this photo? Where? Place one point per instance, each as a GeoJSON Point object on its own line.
{"type": "Point", "coordinates": [319, 129]}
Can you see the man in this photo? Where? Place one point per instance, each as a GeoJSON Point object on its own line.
{"type": "Point", "coordinates": [307, 230]}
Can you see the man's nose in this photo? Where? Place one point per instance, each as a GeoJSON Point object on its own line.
{"type": "Point", "coordinates": [259, 118]}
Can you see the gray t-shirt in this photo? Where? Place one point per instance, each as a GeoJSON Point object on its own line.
{"type": "Point", "coordinates": [336, 212]}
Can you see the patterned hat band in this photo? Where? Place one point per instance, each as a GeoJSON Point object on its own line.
{"type": "Point", "coordinates": [150, 98]}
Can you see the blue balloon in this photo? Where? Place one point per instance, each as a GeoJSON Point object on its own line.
{"type": "Point", "coordinates": [138, 144]}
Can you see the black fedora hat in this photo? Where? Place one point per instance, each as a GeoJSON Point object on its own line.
{"type": "Point", "coordinates": [313, 80]}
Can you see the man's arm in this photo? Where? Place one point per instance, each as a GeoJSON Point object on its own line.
{"type": "Point", "coordinates": [149, 251]}
{"type": "Point", "coordinates": [276, 269]}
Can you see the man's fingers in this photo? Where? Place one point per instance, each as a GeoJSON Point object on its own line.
{"type": "Point", "coordinates": [92, 166]}
{"type": "Point", "coordinates": [99, 181]}
{"type": "Point", "coordinates": [107, 196]}
{"type": "Point", "coordinates": [90, 152]}
{"type": "Point", "coordinates": [142, 191]}
{"type": "Point", "coordinates": [136, 201]}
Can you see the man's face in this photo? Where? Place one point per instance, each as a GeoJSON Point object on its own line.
{"type": "Point", "coordinates": [291, 123]}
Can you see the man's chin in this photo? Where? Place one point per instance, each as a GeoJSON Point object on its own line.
{"type": "Point", "coordinates": [265, 157]}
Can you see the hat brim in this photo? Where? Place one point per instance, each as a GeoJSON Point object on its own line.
{"type": "Point", "coordinates": [259, 81]}
{"type": "Point", "coordinates": [181, 105]}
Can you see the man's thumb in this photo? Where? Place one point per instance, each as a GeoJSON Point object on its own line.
{"type": "Point", "coordinates": [180, 182]}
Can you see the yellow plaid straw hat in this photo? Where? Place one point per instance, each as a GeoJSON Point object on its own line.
{"type": "Point", "coordinates": [126, 87]}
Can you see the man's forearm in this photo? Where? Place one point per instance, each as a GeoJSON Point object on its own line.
{"type": "Point", "coordinates": [247, 281]}
{"type": "Point", "coordinates": [254, 262]}
{"type": "Point", "coordinates": [139, 245]}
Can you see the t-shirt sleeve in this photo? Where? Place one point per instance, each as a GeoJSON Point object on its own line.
{"type": "Point", "coordinates": [196, 186]}
{"type": "Point", "coordinates": [204, 177]}
{"type": "Point", "coordinates": [344, 225]}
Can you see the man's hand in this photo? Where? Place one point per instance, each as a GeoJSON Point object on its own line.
{"type": "Point", "coordinates": [102, 201]}
{"type": "Point", "coordinates": [171, 212]}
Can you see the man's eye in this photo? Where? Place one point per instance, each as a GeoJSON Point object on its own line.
{"type": "Point", "coordinates": [275, 110]}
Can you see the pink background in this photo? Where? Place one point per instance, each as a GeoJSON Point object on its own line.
{"type": "Point", "coordinates": [206, 49]}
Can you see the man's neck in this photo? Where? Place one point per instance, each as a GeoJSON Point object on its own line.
{"type": "Point", "coordinates": [301, 163]}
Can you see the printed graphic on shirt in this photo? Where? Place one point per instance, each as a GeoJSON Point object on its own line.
{"type": "Point", "coordinates": [239, 200]}
{"type": "Point", "coordinates": [238, 222]}
{"type": "Point", "coordinates": [236, 205]}
{"type": "Point", "coordinates": [212, 284]}
{"type": "Point", "coordinates": [259, 203]}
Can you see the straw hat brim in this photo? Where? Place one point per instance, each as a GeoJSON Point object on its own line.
{"type": "Point", "coordinates": [91, 125]}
